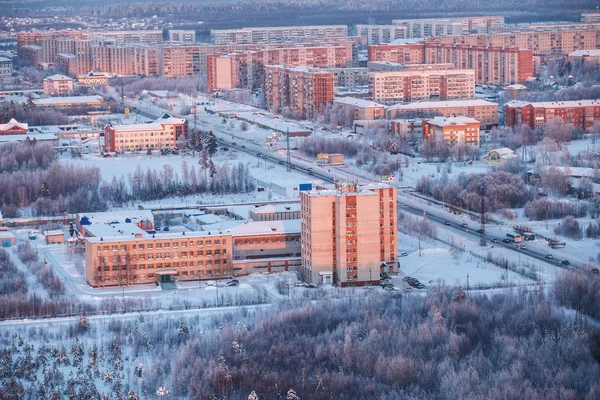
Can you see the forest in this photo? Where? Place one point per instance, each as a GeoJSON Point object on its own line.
{"type": "Point", "coordinates": [36, 185]}
{"type": "Point", "coordinates": [536, 343]}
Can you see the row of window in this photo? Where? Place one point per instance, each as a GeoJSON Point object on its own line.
{"type": "Point", "coordinates": [166, 245]}
{"type": "Point", "coordinates": [133, 267]}
{"type": "Point", "coordinates": [264, 241]}
{"type": "Point", "coordinates": [135, 257]}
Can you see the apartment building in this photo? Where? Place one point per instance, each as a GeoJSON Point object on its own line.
{"type": "Point", "coordinates": [410, 86]}
{"type": "Point", "coordinates": [58, 85]}
{"type": "Point", "coordinates": [282, 34]}
{"type": "Point", "coordinates": [590, 17]}
{"type": "Point", "coordinates": [492, 64]}
{"type": "Point", "coordinates": [430, 27]}
{"type": "Point", "coordinates": [160, 134]}
{"type": "Point", "coordinates": [304, 91]}
{"type": "Point", "coordinates": [350, 77]}
{"type": "Point", "coordinates": [452, 130]}
{"type": "Point", "coordinates": [182, 36]}
{"type": "Point", "coordinates": [581, 113]}
{"type": "Point", "coordinates": [484, 111]}
{"type": "Point", "coordinates": [145, 60]}
{"type": "Point", "coordinates": [6, 67]}
{"type": "Point", "coordinates": [342, 231]}
{"type": "Point", "coordinates": [112, 58]}
{"type": "Point", "coordinates": [585, 56]}
{"type": "Point", "coordinates": [540, 42]}
{"type": "Point", "coordinates": [376, 34]}
{"type": "Point", "coordinates": [361, 109]}
{"type": "Point", "coordinates": [385, 66]}
{"type": "Point", "coordinates": [246, 69]}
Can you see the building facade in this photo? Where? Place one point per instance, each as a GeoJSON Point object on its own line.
{"type": "Point", "coordinates": [582, 113]}
{"type": "Point", "coordinates": [58, 85]}
{"type": "Point", "coordinates": [6, 67]}
{"type": "Point", "coordinates": [160, 134]}
{"type": "Point", "coordinates": [282, 34]}
{"type": "Point", "coordinates": [421, 28]}
{"type": "Point", "coordinates": [304, 91]}
{"type": "Point", "coordinates": [342, 231]}
{"type": "Point", "coordinates": [482, 110]}
{"type": "Point", "coordinates": [361, 109]}
{"type": "Point", "coordinates": [410, 86]}
{"type": "Point", "coordinates": [376, 34]}
{"type": "Point", "coordinates": [452, 130]}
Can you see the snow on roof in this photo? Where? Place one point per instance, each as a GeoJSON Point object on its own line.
{"type": "Point", "coordinates": [50, 101]}
{"type": "Point", "coordinates": [277, 208]}
{"type": "Point", "coordinates": [146, 236]}
{"type": "Point", "coordinates": [353, 101]}
{"type": "Point", "coordinates": [446, 121]}
{"type": "Point", "coordinates": [113, 229]}
{"type": "Point", "coordinates": [58, 77]}
{"type": "Point", "coordinates": [4, 59]}
{"type": "Point", "coordinates": [208, 219]}
{"type": "Point", "coordinates": [6, 235]}
{"type": "Point", "coordinates": [516, 86]}
{"type": "Point", "coordinates": [555, 104]}
{"type": "Point", "coordinates": [54, 232]}
{"type": "Point", "coordinates": [575, 172]}
{"type": "Point", "coordinates": [12, 124]}
{"type": "Point", "coordinates": [159, 93]}
{"type": "Point", "coordinates": [249, 228]}
{"type": "Point", "coordinates": [23, 137]}
{"type": "Point", "coordinates": [585, 53]}
{"type": "Point", "coordinates": [442, 104]}
{"type": "Point", "coordinates": [117, 216]}
{"type": "Point", "coordinates": [222, 226]}
{"type": "Point", "coordinates": [503, 151]}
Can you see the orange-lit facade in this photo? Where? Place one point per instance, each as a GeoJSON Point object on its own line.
{"type": "Point", "coordinates": [452, 130]}
{"type": "Point", "coordinates": [582, 113]}
{"type": "Point", "coordinates": [349, 232]}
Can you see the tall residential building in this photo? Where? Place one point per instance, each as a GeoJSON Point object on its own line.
{"type": "Point", "coordinates": [492, 64]}
{"type": "Point", "coordinates": [482, 110]}
{"type": "Point", "coordinates": [421, 28]}
{"type": "Point", "coordinates": [452, 130]}
{"type": "Point", "coordinates": [304, 91]}
{"type": "Point", "coordinates": [113, 59]}
{"type": "Point", "coordinates": [376, 34]}
{"type": "Point", "coordinates": [145, 60]}
{"type": "Point", "coordinates": [6, 67]}
{"type": "Point", "coordinates": [410, 86]}
{"type": "Point", "coordinates": [281, 34]}
{"type": "Point", "coordinates": [590, 17]}
{"type": "Point", "coordinates": [348, 234]}
{"type": "Point", "coordinates": [581, 113]}
{"type": "Point", "coordinates": [246, 69]}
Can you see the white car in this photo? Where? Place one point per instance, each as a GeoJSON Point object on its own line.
{"type": "Point", "coordinates": [211, 283]}
{"type": "Point", "coordinates": [403, 254]}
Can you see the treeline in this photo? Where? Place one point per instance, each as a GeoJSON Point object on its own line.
{"type": "Point", "coordinates": [579, 291]}
{"type": "Point", "coordinates": [30, 114]}
{"type": "Point", "coordinates": [540, 209]}
{"type": "Point", "coordinates": [495, 190]}
{"type": "Point", "coordinates": [153, 185]}
{"type": "Point", "coordinates": [312, 146]}
{"type": "Point", "coordinates": [33, 185]}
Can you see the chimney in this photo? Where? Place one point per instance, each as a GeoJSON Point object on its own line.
{"type": "Point", "coordinates": [138, 235]}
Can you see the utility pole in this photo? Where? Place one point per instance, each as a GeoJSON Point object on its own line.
{"type": "Point", "coordinates": [289, 156]}
{"type": "Point", "coordinates": [467, 281]}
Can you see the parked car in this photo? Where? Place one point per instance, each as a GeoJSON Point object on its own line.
{"type": "Point", "coordinates": [299, 284]}
{"type": "Point", "coordinates": [481, 231]}
{"type": "Point", "coordinates": [211, 283]}
{"type": "Point", "coordinates": [403, 254]}
{"type": "Point", "coordinates": [281, 163]}
{"type": "Point", "coordinates": [494, 240]}
{"type": "Point", "coordinates": [311, 286]}
{"type": "Point", "coordinates": [166, 229]}
{"type": "Point", "coordinates": [225, 148]}
{"type": "Point", "coordinates": [149, 152]}
{"type": "Point", "coordinates": [232, 283]}
{"type": "Point", "coordinates": [549, 256]}
{"type": "Point", "coordinates": [242, 147]}
{"type": "Point", "coordinates": [521, 246]}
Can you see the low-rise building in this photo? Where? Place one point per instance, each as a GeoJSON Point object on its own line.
{"type": "Point", "coordinates": [452, 130]}
{"type": "Point", "coordinates": [482, 110]}
{"type": "Point", "coordinates": [6, 67]}
{"type": "Point", "coordinates": [499, 156]}
{"type": "Point", "coordinates": [58, 85]}
{"type": "Point", "coordinates": [592, 55]}
{"type": "Point", "coordinates": [13, 127]}
{"type": "Point", "coordinates": [361, 109]}
{"type": "Point", "coordinates": [54, 237]}
{"type": "Point", "coordinates": [160, 134]}
{"type": "Point", "coordinates": [276, 212]}
{"type": "Point", "coordinates": [70, 101]}
{"type": "Point", "coordinates": [92, 79]}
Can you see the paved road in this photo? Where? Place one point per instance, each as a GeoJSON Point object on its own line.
{"type": "Point", "coordinates": [241, 144]}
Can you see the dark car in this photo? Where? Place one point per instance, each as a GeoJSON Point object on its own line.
{"type": "Point", "coordinates": [311, 173]}
{"type": "Point", "coordinates": [225, 148]}
{"type": "Point", "coordinates": [549, 256]}
{"type": "Point", "coordinates": [176, 152]}
{"type": "Point", "coordinates": [447, 223]}
{"type": "Point", "coordinates": [464, 225]}
{"type": "Point", "coordinates": [480, 231]}
{"type": "Point", "coordinates": [149, 152]}
{"type": "Point", "coordinates": [506, 241]}
{"type": "Point", "coordinates": [281, 163]}
{"type": "Point", "coordinates": [242, 147]}
{"type": "Point", "coordinates": [166, 229]}
{"type": "Point", "coordinates": [565, 262]}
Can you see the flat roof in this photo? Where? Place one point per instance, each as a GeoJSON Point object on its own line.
{"type": "Point", "coordinates": [23, 137]}
{"type": "Point", "coordinates": [353, 101]}
{"type": "Point", "coordinates": [276, 208]}
{"type": "Point", "coordinates": [442, 104]}
{"type": "Point", "coordinates": [555, 104]}
{"type": "Point", "coordinates": [446, 121]}
{"type": "Point", "coordinates": [117, 216]}
{"type": "Point", "coordinates": [249, 228]}
{"type": "Point", "coordinates": [113, 229]}
{"type": "Point", "coordinates": [68, 100]}
{"type": "Point", "coordinates": [158, 236]}
{"type": "Point", "coordinates": [54, 232]}
{"type": "Point", "coordinates": [583, 53]}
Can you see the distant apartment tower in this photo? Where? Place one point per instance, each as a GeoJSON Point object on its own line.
{"type": "Point", "coordinates": [58, 85]}
{"type": "Point", "coordinates": [6, 67]}
{"type": "Point", "coordinates": [160, 134]}
{"type": "Point", "coordinates": [421, 28]}
{"type": "Point", "coordinates": [581, 113]}
{"type": "Point", "coordinates": [280, 34]}
{"type": "Point", "coordinates": [452, 130]}
{"type": "Point", "coordinates": [590, 17]}
{"type": "Point", "coordinates": [348, 234]}
{"type": "Point", "coordinates": [376, 34]}
{"type": "Point", "coordinates": [112, 58]}
{"type": "Point", "coordinates": [484, 111]}
{"type": "Point", "coordinates": [182, 36]}
{"type": "Point", "coordinates": [492, 64]}
{"type": "Point", "coordinates": [410, 86]}
{"type": "Point", "coordinates": [304, 91]}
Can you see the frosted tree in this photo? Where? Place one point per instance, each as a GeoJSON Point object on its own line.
{"type": "Point", "coordinates": [204, 163]}
{"type": "Point", "coordinates": [211, 143]}
{"type": "Point", "coordinates": [291, 395]}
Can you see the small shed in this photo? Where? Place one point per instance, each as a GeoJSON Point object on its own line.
{"type": "Point", "coordinates": [55, 237]}
{"type": "Point", "coordinates": [7, 239]}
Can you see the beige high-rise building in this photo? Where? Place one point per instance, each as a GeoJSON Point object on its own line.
{"type": "Point", "coordinates": [348, 234]}
{"type": "Point", "coordinates": [421, 28]}
{"type": "Point", "coordinates": [277, 34]}
{"type": "Point", "coordinates": [376, 34]}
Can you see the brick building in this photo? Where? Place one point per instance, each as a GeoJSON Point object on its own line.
{"type": "Point", "coordinates": [581, 113]}
{"type": "Point", "coordinates": [305, 91]}
{"type": "Point", "coordinates": [342, 231]}
{"type": "Point", "coordinates": [361, 109]}
{"type": "Point", "coordinates": [452, 130]}
{"type": "Point", "coordinates": [58, 85]}
{"type": "Point", "coordinates": [160, 134]}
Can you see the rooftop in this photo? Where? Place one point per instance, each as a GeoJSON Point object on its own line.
{"type": "Point", "coordinates": [117, 216]}
{"type": "Point", "coordinates": [146, 236]}
{"type": "Point", "coordinates": [58, 77]}
{"type": "Point", "coordinates": [24, 137]}
{"type": "Point", "coordinates": [446, 121]}
{"type": "Point", "coordinates": [555, 104]}
{"type": "Point", "coordinates": [101, 230]}
{"type": "Point", "coordinates": [68, 100]}
{"type": "Point", "coordinates": [276, 208]}
{"type": "Point", "coordinates": [353, 101]}
{"type": "Point", "coordinates": [585, 53]}
{"type": "Point", "coordinates": [442, 104]}
{"type": "Point", "coordinates": [249, 228]}
{"type": "Point", "coordinates": [13, 123]}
